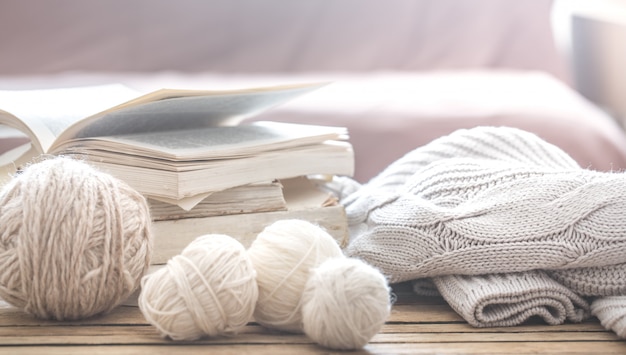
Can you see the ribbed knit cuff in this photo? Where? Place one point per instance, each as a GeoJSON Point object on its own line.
{"type": "Point", "coordinates": [611, 311]}
{"type": "Point", "coordinates": [510, 299]}
{"type": "Point", "coordinates": [593, 281]}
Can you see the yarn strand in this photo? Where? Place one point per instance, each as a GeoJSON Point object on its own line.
{"type": "Point", "coordinates": [74, 241]}
{"type": "Point", "coordinates": [210, 289]}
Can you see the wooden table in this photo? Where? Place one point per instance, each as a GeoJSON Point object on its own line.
{"type": "Point", "coordinates": [418, 325]}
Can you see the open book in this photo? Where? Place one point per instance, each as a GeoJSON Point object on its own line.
{"type": "Point", "coordinates": [174, 145]}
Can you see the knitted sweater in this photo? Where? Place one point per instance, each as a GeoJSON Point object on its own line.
{"type": "Point", "coordinates": [500, 220]}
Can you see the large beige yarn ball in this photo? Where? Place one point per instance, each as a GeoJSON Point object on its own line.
{"type": "Point", "coordinates": [283, 255]}
{"type": "Point", "coordinates": [209, 289]}
{"type": "Point", "coordinates": [74, 241]}
{"type": "Point", "coordinates": [345, 303]}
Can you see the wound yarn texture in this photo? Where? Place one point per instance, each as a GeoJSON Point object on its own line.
{"type": "Point", "coordinates": [74, 241]}
{"type": "Point", "coordinates": [283, 255]}
{"type": "Point", "coordinates": [209, 289]}
{"type": "Point", "coordinates": [345, 303]}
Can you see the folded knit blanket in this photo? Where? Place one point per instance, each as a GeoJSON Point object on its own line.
{"type": "Point", "coordinates": [504, 224]}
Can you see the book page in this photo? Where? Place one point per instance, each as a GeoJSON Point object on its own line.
{"type": "Point", "coordinates": [169, 110]}
{"type": "Point", "coordinates": [301, 193]}
{"type": "Point", "coordinates": [12, 160]}
{"type": "Point", "coordinates": [177, 180]}
{"type": "Point", "coordinates": [44, 114]}
{"type": "Point", "coordinates": [210, 143]}
{"type": "Point", "coordinates": [251, 198]}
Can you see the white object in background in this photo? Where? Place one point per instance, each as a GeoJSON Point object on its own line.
{"type": "Point", "coordinates": [593, 34]}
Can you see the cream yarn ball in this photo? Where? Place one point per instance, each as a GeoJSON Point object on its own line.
{"type": "Point", "coordinates": [345, 303]}
{"type": "Point", "coordinates": [283, 255]}
{"type": "Point", "coordinates": [74, 241]}
{"type": "Point", "coordinates": [209, 289]}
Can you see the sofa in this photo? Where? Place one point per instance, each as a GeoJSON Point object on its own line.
{"type": "Point", "coordinates": [401, 72]}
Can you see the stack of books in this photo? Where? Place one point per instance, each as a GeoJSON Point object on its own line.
{"type": "Point", "coordinates": [187, 151]}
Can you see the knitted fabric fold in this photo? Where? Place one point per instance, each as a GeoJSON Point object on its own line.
{"type": "Point", "coordinates": [523, 221]}
{"type": "Point", "coordinates": [482, 143]}
{"type": "Point", "coordinates": [480, 212]}
{"type": "Point", "coordinates": [611, 311]}
{"type": "Point", "coordinates": [501, 200]}
{"type": "Point", "coordinates": [502, 300]}
{"type": "Point", "coordinates": [593, 281]}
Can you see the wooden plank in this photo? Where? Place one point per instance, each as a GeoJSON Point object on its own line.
{"type": "Point", "coordinates": [519, 348]}
{"type": "Point", "coordinates": [485, 337]}
{"type": "Point", "coordinates": [114, 335]}
{"type": "Point", "coordinates": [230, 349]}
{"type": "Point", "coordinates": [132, 315]}
{"type": "Point", "coordinates": [11, 316]}
{"type": "Point", "coordinates": [418, 325]}
{"type": "Point", "coordinates": [590, 326]}
{"type": "Point", "coordinates": [419, 313]}
{"type": "Point", "coordinates": [123, 335]}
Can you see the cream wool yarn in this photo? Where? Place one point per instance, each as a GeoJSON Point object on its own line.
{"type": "Point", "coordinates": [345, 303]}
{"type": "Point", "coordinates": [74, 242]}
{"type": "Point", "coordinates": [209, 289]}
{"type": "Point", "coordinates": [283, 255]}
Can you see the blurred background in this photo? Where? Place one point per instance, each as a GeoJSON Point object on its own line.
{"type": "Point", "coordinates": [42, 36]}
{"type": "Point", "coordinates": [50, 36]}
{"type": "Point", "coordinates": [404, 71]}
{"type": "Point", "coordinates": [592, 36]}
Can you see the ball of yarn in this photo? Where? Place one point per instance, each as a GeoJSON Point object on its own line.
{"type": "Point", "coordinates": [345, 303]}
{"type": "Point", "coordinates": [283, 255]}
{"type": "Point", "coordinates": [74, 241]}
{"type": "Point", "coordinates": [208, 290]}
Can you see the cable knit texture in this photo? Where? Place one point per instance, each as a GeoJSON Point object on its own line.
{"type": "Point", "coordinates": [495, 200]}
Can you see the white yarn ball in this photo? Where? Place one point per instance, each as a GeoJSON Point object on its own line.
{"type": "Point", "coordinates": [283, 255]}
{"type": "Point", "coordinates": [345, 303]}
{"type": "Point", "coordinates": [209, 289]}
{"type": "Point", "coordinates": [74, 241]}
